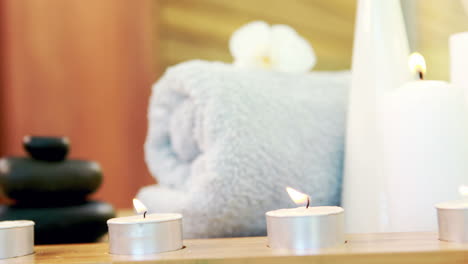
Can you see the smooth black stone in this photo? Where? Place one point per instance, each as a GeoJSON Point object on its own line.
{"type": "Point", "coordinates": [47, 148]}
{"type": "Point", "coordinates": [31, 182]}
{"type": "Point", "coordinates": [83, 223]}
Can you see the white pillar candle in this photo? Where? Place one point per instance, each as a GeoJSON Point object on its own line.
{"type": "Point", "coordinates": [145, 234]}
{"type": "Point", "coordinates": [459, 61]}
{"type": "Point", "coordinates": [425, 149]}
{"type": "Point", "coordinates": [305, 228]}
{"type": "Point", "coordinates": [16, 238]}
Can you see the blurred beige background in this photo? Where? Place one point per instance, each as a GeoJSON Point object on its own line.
{"type": "Point", "coordinates": [201, 28]}
{"type": "Point", "coordinates": [430, 24]}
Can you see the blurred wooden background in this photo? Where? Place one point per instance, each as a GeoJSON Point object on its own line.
{"type": "Point", "coordinates": [201, 29]}
{"type": "Point", "coordinates": [84, 68]}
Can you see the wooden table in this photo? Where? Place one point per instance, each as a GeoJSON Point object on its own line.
{"type": "Point", "coordinates": [421, 248]}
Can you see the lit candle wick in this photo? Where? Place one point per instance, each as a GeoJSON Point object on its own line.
{"type": "Point", "coordinates": [417, 64]}
{"type": "Point", "coordinates": [140, 207]}
{"type": "Point", "coordinates": [308, 202]}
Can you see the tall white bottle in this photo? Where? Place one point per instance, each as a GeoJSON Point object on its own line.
{"type": "Point", "coordinates": [380, 57]}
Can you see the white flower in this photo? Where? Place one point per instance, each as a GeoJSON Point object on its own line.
{"type": "Point", "coordinates": [279, 47]}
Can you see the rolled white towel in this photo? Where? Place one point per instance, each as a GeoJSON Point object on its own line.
{"type": "Point", "coordinates": [224, 143]}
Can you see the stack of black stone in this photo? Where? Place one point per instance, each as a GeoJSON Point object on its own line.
{"type": "Point", "coordinates": [51, 190]}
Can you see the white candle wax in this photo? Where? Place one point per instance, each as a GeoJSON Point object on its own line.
{"type": "Point", "coordinates": [149, 218]}
{"type": "Point", "coordinates": [15, 224]}
{"type": "Point", "coordinates": [305, 228]}
{"type": "Point", "coordinates": [303, 211]}
{"type": "Point", "coordinates": [458, 204]}
{"type": "Point", "coordinates": [139, 235]}
{"type": "Point", "coordinates": [425, 147]}
{"type": "Point", "coordinates": [16, 238]}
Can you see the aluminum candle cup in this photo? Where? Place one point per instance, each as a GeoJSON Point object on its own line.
{"type": "Point", "coordinates": [453, 221]}
{"type": "Point", "coordinates": [305, 228]}
{"type": "Point", "coordinates": [138, 235]}
{"type": "Point", "coordinates": [16, 238]}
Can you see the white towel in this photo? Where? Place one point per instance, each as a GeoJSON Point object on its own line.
{"type": "Point", "coordinates": [224, 143]}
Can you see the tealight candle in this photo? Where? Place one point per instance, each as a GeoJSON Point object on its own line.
{"type": "Point", "coordinates": [144, 233]}
{"type": "Point", "coordinates": [16, 238]}
{"type": "Point", "coordinates": [305, 228]}
{"type": "Point", "coordinates": [453, 219]}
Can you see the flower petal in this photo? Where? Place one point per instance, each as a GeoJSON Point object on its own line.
{"type": "Point", "coordinates": [249, 41]}
{"type": "Point", "coordinates": [289, 51]}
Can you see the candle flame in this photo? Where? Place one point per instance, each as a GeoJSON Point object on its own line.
{"type": "Point", "coordinates": [139, 206]}
{"type": "Point", "coordinates": [463, 190]}
{"type": "Point", "coordinates": [297, 197]}
{"type": "Point", "coordinates": [416, 63]}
